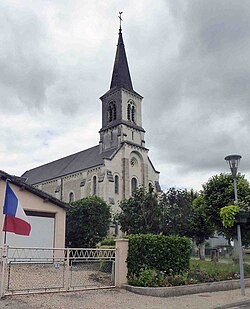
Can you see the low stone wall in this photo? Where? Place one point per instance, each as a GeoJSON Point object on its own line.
{"type": "Point", "coordinates": [187, 289]}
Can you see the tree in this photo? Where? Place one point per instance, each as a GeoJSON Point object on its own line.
{"type": "Point", "coordinates": [184, 214]}
{"type": "Point", "coordinates": [176, 212]}
{"type": "Point", "coordinates": [88, 222]}
{"type": "Point", "coordinates": [175, 207]}
{"type": "Point", "coordinates": [140, 214]}
{"type": "Point", "coordinates": [218, 192]}
{"type": "Point", "coordinates": [200, 227]}
{"type": "Point", "coordinates": [167, 214]}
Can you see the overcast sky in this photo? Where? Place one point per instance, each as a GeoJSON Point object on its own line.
{"type": "Point", "coordinates": [190, 60]}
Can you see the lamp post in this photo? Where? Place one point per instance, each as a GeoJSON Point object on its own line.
{"type": "Point", "coordinates": [233, 161]}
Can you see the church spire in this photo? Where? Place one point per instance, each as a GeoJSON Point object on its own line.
{"type": "Point", "coordinates": [121, 76]}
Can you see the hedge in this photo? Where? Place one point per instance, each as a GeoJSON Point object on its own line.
{"type": "Point", "coordinates": [108, 242]}
{"type": "Point", "coordinates": [170, 254]}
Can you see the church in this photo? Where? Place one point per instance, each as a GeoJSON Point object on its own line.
{"type": "Point", "coordinates": [115, 167]}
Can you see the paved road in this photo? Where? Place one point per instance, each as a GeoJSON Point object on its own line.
{"type": "Point", "coordinates": [122, 299]}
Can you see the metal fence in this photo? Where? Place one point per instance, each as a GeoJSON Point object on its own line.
{"type": "Point", "coordinates": [30, 270]}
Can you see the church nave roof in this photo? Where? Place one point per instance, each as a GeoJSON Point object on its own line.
{"type": "Point", "coordinates": [79, 161]}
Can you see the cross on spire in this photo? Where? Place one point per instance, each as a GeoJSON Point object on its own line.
{"type": "Point", "coordinates": [121, 76]}
{"type": "Point", "coordinates": [120, 17]}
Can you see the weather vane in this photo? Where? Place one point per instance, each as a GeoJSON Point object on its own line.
{"type": "Point", "coordinates": [120, 17]}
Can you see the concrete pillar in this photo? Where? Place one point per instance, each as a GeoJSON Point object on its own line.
{"type": "Point", "coordinates": [121, 269]}
{"type": "Point", "coordinates": [3, 269]}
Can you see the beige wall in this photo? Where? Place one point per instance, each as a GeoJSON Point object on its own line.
{"type": "Point", "coordinates": [32, 202]}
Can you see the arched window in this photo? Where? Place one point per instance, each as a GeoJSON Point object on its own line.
{"type": "Point", "coordinates": [128, 111]}
{"type": "Point", "coordinates": [133, 184]}
{"type": "Point", "coordinates": [133, 113]}
{"type": "Point", "coordinates": [110, 116]}
{"type": "Point", "coordinates": [114, 111]}
{"type": "Point", "coordinates": [71, 197]}
{"type": "Point", "coordinates": [150, 187]}
{"type": "Point", "coordinates": [116, 184]}
{"type": "Point", "coordinates": [94, 185]}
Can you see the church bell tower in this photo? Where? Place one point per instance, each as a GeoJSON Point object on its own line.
{"type": "Point", "coordinates": [121, 106]}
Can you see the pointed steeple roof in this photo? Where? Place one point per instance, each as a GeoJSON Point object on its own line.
{"type": "Point", "coordinates": [121, 76]}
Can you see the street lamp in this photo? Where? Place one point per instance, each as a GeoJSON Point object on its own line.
{"type": "Point", "coordinates": [233, 161]}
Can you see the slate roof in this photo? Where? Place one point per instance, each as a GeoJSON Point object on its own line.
{"type": "Point", "coordinates": [19, 181]}
{"type": "Point", "coordinates": [121, 77]}
{"type": "Point", "coordinates": [79, 161]}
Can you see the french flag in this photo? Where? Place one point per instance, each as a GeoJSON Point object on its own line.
{"type": "Point", "coordinates": [15, 220]}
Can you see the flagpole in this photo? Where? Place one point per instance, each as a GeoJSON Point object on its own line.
{"type": "Point", "coordinates": [5, 237]}
{"type": "Point", "coordinates": [5, 233]}
{"type": "Point", "coordinates": [4, 252]}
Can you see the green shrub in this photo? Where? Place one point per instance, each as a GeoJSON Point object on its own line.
{"type": "Point", "coordinates": [88, 222]}
{"type": "Point", "coordinates": [199, 272]}
{"type": "Point", "coordinates": [228, 214]}
{"type": "Point", "coordinates": [176, 280]}
{"type": "Point", "coordinates": [149, 278]}
{"type": "Point", "coordinates": [107, 247]}
{"type": "Point", "coordinates": [169, 254]}
{"type": "Point", "coordinates": [108, 242]}
{"type": "Point", "coordinates": [218, 271]}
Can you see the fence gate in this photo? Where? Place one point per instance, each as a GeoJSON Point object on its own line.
{"type": "Point", "coordinates": [31, 270]}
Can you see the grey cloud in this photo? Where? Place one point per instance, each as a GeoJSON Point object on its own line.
{"type": "Point", "coordinates": [26, 70]}
{"type": "Point", "coordinates": [215, 50]}
{"type": "Point", "coordinates": [203, 87]}
{"type": "Point", "coordinates": [215, 26]}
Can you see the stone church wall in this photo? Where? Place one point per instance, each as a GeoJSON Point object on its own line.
{"type": "Point", "coordinates": [48, 187]}
{"type": "Point", "coordinates": [129, 162]}
{"type": "Point", "coordinates": [71, 184]}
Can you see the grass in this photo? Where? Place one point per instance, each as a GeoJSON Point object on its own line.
{"type": "Point", "coordinates": [199, 272]}
{"type": "Point", "coordinates": [219, 271]}
{"type": "Point", "coordinates": [246, 257]}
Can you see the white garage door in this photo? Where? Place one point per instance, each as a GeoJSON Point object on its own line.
{"type": "Point", "coordinates": [42, 232]}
